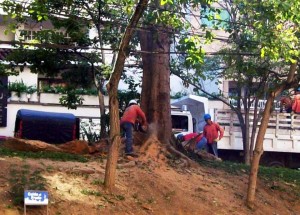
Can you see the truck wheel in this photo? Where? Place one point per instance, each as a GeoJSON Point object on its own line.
{"type": "Point", "coordinates": [276, 164]}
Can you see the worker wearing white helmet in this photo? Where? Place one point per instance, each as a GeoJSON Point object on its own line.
{"type": "Point", "coordinates": [132, 113]}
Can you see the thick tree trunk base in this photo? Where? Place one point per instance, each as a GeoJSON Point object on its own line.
{"type": "Point", "coordinates": [152, 148]}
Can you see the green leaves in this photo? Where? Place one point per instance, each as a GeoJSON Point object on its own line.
{"type": "Point", "coordinates": [163, 2]}
{"type": "Point", "coordinates": [276, 27]}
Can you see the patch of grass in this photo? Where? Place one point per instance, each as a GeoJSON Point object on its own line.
{"type": "Point", "coordinates": [9, 206]}
{"type": "Point", "coordinates": [269, 174]}
{"type": "Point", "coordinates": [58, 156]}
{"type": "Point", "coordinates": [107, 199]}
{"type": "Point", "coordinates": [280, 174]}
{"type": "Point", "coordinates": [227, 166]}
{"type": "Point", "coordinates": [99, 206]}
{"type": "Point", "coordinates": [49, 168]}
{"type": "Point", "coordinates": [120, 197]}
{"type": "Point", "coordinates": [97, 182]}
{"type": "Point", "coordinates": [91, 193]}
{"type": "Point", "coordinates": [23, 179]}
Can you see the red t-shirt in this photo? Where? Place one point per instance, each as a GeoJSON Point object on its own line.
{"type": "Point", "coordinates": [296, 104]}
{"type": "Point", "coordinates": [132, 113]}
{"type": "Point", "coordinates": [211, 132]}
{"type": "Point", "coordinates": [192, 135]}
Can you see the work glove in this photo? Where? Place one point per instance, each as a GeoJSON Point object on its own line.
{"type": "Point", "coordinates": [216, 140]}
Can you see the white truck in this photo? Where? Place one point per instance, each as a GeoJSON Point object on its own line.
{"type": "Point", "coordinates": [281, 144]}
{"type": "Point", "coordinates": [182, 121]}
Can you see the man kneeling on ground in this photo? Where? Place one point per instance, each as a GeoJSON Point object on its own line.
{"type": "Point", "coordinates": [200, 141]}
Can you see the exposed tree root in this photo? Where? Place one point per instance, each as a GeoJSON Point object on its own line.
{"type": "Point", "coordinates": [187, 161]}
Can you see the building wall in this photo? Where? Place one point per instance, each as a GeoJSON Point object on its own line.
{"type": "Point", "coordinates": [5, 37]}
{"type": "Point", "coordinates": [26, 76]}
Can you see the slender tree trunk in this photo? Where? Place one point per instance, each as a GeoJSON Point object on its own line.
{"type": "Point", "coordinates": [247, 138]}
{"type": "Point", "coordinates": [261, 133]}
{"type": "Point", "coordinates": [101, 87]}
{"type": "Point", "coordinates": [254, 128]}
{"type": "Point", "coordinates": [156, 80]}
{"type": "Point", "coordinates": [102, 115]}
{"type": "Point", "coordinates": [258, 150]}
{"type": "Point", "coordinates": [112, 86]}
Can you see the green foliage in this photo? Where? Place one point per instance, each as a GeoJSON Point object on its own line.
{"type": "Point", "coordinates": [276, 29]}
{"type": "Point", "coordinates": [31, 89]}
{"type": "Point", "coordinates": [80, 76]}
{"type": "Point", "coordinates": [124, 97]}
{"type": "Point", "coordinates": [91, 193]}
{"type": "Point", "coordinates": [17, 86]}
{"type": "Point", "coordinates": [93, 92]}
{"type": "Point", "coordinates": [97, 182]}
{"type": "Point", "coordinates": [3, 70]}
{"type": "Point", "coordinates": [89, 132]}
{"type": "Point", "coordinates": [270, 174]}
{"type": "Point", "coordinates": [71, 100]}
{"type": "Point", "coordinates": [280, 174]}
{"type": "Point", "coordinates": [54, 89]}
{"type": "Point", "coordinates": [178, 95]}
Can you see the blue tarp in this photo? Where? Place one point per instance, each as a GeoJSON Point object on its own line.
{"type": "Point", "coordinates": [49, 127]}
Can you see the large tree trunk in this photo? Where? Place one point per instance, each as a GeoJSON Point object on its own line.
{"type": "Point", "coordinates": [261, 134]}
{"type": "Point", "coordinates": [155, 43]}
{"type": "Point", "coordinates": [112, 86]}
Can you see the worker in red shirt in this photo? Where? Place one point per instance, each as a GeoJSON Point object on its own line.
{"type": "Point", "coordinates": [213, 133]}
{"type": "Point", "coordinates": [200, 140]}
{"type": "Point", "coordinates": [132, 113]}
{"type": "Point", "coordinates": [296, 102]}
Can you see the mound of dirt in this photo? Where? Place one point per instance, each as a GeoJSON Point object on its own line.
{"type": "Point", "coordinates": [73, 147]}
{"type": "Point", "coordinates": [29, 145]}
{"type": "Point", "coordinates": [150, 184]}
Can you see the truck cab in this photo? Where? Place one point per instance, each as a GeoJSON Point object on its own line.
{"type": "Point", "coordinates": [182, 122]}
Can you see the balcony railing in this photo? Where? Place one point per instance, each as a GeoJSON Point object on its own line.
{"type": "Point", "coordinates": [261, 104]}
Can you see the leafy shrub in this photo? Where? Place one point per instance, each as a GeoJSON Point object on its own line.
{"type": "Point", "coordinates": [17, 86]}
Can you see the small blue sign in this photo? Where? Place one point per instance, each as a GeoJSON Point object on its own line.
{"type": "Point", "coordinates": [35, 197]}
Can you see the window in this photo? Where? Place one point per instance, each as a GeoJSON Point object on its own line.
{"type": "Point", "coordinates": [28, 35]}
{"type": "Point", "coordinates": [180, 123]}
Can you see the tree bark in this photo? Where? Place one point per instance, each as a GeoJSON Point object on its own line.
{"type": "Point", "coordinates": [112, 86]}
{"type": "Point", "coordinates": [156, 80]}
{"type": "Point", "coordinates": [261, 133]}
{"type": "Point", "coordinates": [102, 115]}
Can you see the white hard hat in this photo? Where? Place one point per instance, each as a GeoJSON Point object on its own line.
{"type": "Point", "coordinates": [132, 102]}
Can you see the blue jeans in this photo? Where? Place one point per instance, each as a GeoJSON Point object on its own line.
{"type": "Point", "coordinates": [128, 130]}
{"type": "Point", "coordinates": [201, 144]}
{"type": "Point", "coordinates": [213, 148]}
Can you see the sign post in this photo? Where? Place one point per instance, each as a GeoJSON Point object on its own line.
{"type": "Point", "coordinates": [35, 197]}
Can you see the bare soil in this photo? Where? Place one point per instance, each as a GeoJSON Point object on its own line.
{"type": "Point", "coordinates": [150, 184]}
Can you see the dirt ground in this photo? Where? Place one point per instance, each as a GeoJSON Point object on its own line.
{"type": "Point", "coordinates": [147, 185]}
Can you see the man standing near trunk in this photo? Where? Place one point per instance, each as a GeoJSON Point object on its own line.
{"type": "Point", "coordinates": [213, 132]}
{"type": "Point", "coordinates": [132, 113]}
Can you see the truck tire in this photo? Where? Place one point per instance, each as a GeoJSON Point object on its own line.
{"type": "Point", "coordinates": [276, 164]}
